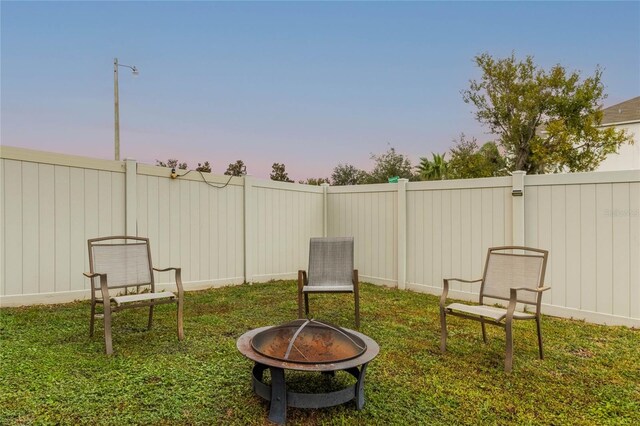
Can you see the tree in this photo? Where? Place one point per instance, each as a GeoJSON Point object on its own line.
{"type": "Point", "coordinates": [172, 163]}
{"type": "Point", "coordinates": [175, 164]}
{"type": "Point", "coordinates": [314, 181]}
{"type": "Point", "coordinates": [546, 120]}
{"type": "Point", "coordinates": [206, 167]}
{"type": "Point", "coordinates": [236, 169]}
{"type": "Point", "coordinates": [434, 169]}
{"type": "Point", "coordinates": [390, 164]}
{"type": "Point", "coordinates": [278, 173]}
{"type": "Point", "coordinates": [347, 174]}
{"type": "Point", "coordinates": [469, 161]}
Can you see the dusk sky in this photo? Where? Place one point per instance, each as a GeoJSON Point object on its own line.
{"type": "Point", "coordinates": [307, 84]}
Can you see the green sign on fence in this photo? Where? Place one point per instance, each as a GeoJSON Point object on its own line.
{"type": "Point", "coordinates": [394, 179]}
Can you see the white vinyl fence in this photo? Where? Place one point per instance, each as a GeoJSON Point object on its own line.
{"type": "Point", "coordinates": [590, 223]}
{"type": "Point", "coordinates": [51, 205]}
{"type": "Point", "coordinates": [228, 231]}
{"type": "Point", "coordinates": [414, 234]}
{"type": "Point", "coordinates": [408, 235]}
{"type": "Point", "coordinates": [281, 217]}
{"type": "Point", "coordinates": [369, 213]}
{"type": "Point", "coordinates": [450, 226]}
{"type": "Point", "coordinates": [192, 225]}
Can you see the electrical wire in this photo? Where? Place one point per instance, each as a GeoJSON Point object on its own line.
{"type": "Point", "coordinates": [205, 180]}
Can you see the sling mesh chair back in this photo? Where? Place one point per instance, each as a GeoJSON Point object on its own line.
{"type": "Point", "coordinates": [119, 263]}
{"type": "Point", "coordinates": [512, 273]}
{"type": "Point", "coordinates": [330, 271]}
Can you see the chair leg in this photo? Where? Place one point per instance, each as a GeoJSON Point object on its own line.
{"type": "Point", "coordinates": [150, 317]}
{"type": "Point", "coordinates": [443, 331]}
{"type": "Point", "coordinates": [300, 303]}
{"type": "Point", "coordinates": [357, 301]}
{"type": "Point", "coordinates": [538, 325]}
{"type": "Point", "coordinates": [508, 361]}
{"type": "Point", "coordinates": [93, 318]}
{"type": "Point", "coordinates": [301, 282]}
{"type": "Point", "coordinates": [107, 328]}
{"type": "Point", "coordinates": [180, 324]}
{"type": "Point", "coordinates": [484, 332]}
{"type": "Point", "coordinates": [306, 305]}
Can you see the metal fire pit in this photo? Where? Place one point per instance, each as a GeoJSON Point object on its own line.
{"type": "Point", "coordinates": [309, 342]}
{"type": "Point", "coordinates": [311, 346]}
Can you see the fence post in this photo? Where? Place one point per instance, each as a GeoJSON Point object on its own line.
{"type": "Point", "coordinates": [250, 236]}
{"type": "Point", "coordinates": [402, 233]}
{"type": "Point", "coordinates": [325, 213]}
{"type": "Point", "coordinates": [131, 197]}
{"type": "Point", "coordinates": [517, 206]}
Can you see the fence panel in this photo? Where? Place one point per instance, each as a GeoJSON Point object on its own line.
{"type": "Point", "coordinates": [589, 224]}
{"type": "Point", "coordinates": [369, 214]}
{"type": "Point", "coordinates": [192, 224]}
{"type": "Point", "coordinates": [286, 216]}
{"type": "Point", "coordinates": [51, 205]}
{"type": "Point", "coordinates": [450, 227]}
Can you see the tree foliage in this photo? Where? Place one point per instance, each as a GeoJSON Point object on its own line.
{"type": "Point", "coordinates": [390, 164]}
{"type": "Point", "coordinates": [469, 161]}
{"type": "Point", "coordinates": [175, 164]}
{"type": "Point", "coordinates": [314, 181]}
{"type": "Point", "coordinates": [206, 167]}
{"type": "Point", "coordinates": [278, 173]}
{"type": "Point", "coordinates": [546, 120]}
{"type": "Point", "coordinates": [236, 169]}
{"type": "Point", "coordinates": [347, 174]}
{"type": "Point", "coordinates": [172, 163]}
{"type": "Point", "coordinates": [434, 169]}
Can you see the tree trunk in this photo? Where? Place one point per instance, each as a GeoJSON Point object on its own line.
{"type": "Point", "coordinates": [523, 156]}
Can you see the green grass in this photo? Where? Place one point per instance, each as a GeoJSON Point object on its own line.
{"type": "Point", "coordinates": [51, 372]}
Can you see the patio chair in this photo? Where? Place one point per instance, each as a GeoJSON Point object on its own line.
{"type": "Point", "coordinates": [330, 271]}
{"type": "Point", "coordinates": [514, 274]}
{"type": "Point", "coordinates": [121, 262]}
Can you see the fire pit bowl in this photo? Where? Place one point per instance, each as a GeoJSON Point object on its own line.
{"type": "Point", "coordinates": [309, 342]}
{"type": "Point", "coordinates": [311, 346]}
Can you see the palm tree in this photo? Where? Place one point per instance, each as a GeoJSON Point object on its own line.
{"type": "Point", "coordinates": [434, 169]}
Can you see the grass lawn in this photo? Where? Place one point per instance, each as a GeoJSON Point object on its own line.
{"type": "Point", "coordinates": [51, 372]}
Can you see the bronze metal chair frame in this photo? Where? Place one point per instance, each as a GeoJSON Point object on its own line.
{"type": "Point", "coordinates": [109, 309]}
{"type": "Point", "coordinates": [513, 300]}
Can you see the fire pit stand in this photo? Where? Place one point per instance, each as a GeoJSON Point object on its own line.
{"type": "Point", "coordinates": [277, 392]}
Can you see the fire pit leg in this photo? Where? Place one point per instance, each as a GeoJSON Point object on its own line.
{"type": "Point", "coordinates": [360, 387]}
{"type": "Point", "coordinates": [278, 409]}
{"type": "Point", "coordinates": [258, 371]}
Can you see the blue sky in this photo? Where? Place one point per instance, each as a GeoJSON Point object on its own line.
{"type": "Point", "coordinates": [308, 84]}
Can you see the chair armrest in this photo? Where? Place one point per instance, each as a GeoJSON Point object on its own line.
{"type": "Point", "coordinates": [104, 288]}
{"type": "Point", "coordinates": [178, 277]}
{"type": "Point", "coordinates": [464, 281]}
{"type": "Point", "coordinates": [513, 298]}
{"type": "Point", "coordinates": [533, 290]}
{"type": "Point", "coordinates": [165, 269]}
{"type": "Point", "coordinates": [302, 279]}
{"type": "Point", "coordinates": [90, 275]}
{"type": "Point", "coordinates": [445, 288]}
